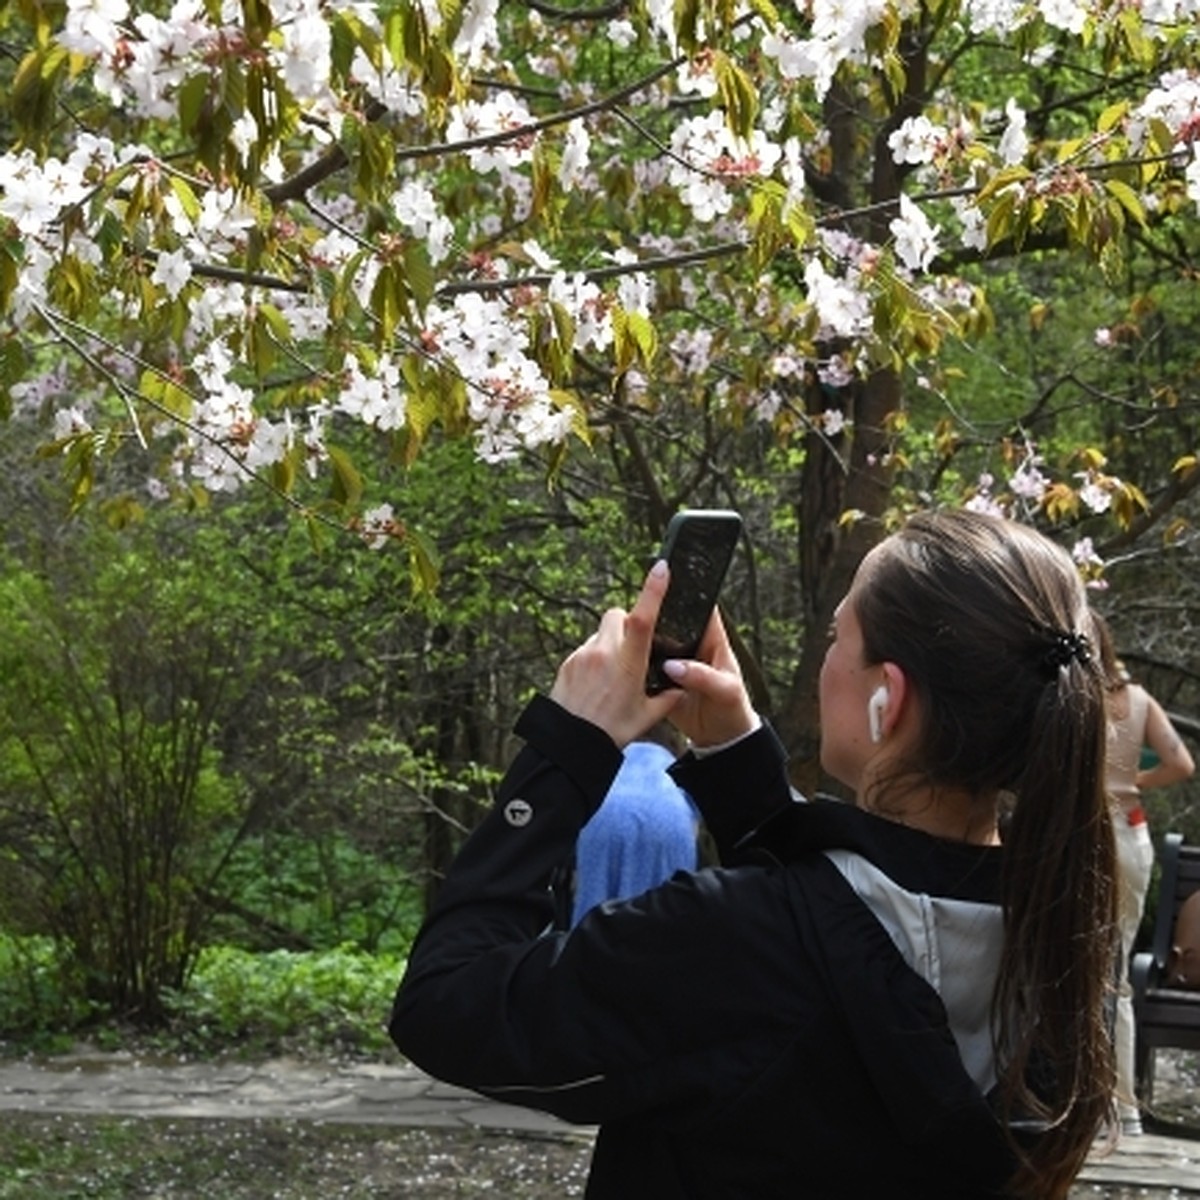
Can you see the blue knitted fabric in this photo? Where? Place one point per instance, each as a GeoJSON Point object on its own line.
{"type": "Point", "coordinates": [643, 833]}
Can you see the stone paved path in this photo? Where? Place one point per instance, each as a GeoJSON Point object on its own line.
{"type": "Point", "coordinates": [356, 1093]}
{"type": "Point", "coordinates": [398, 1094]}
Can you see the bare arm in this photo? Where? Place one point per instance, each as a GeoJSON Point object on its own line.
{"type": "Point", "coordinates": [1175, 761]}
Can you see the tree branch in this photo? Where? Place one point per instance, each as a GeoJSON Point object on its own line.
{"type": "Point", "coordinates": [1182, 485]}
{"type": "Point", "coordinates": [335, 158]}
{"type": "Point", "coordinates": [608, 12]}
{"type": "Point", "coordinates": [543, 279]}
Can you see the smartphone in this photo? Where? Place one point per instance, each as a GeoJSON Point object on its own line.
{"type": "Point", "coordinates": [698, 547]}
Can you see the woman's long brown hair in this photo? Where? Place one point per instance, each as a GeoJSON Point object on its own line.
{"type": "Point", "coordinates": [989, 621]}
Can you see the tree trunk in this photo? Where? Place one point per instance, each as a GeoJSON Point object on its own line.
{"type": "Point", "coordinates": [832, 554]}
{"type": "Point", "coordinates": [832, 548]}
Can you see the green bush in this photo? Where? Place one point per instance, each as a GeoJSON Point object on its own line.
{"type": "Point", "coordinates": [322, 887]}
{"type": "Point", "coordinates": [39, 998]}
{"type": "Point", "coordinates": [321, 1002]}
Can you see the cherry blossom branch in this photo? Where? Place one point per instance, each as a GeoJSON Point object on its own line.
{"type": "Point", "coordinates": [60, 323]}
{"type": "Point", "coordinates": [56, 322]}
{"type": "Point", "coordinates": [598, 274]}
{"type": "Point", "coordinates": [249, 278]}
{"type": "Point", "coordinates": [608, 12]}
{"type": "Point", "coordinates": [332, 161]}
{"type": "Point", "coordinates": [661, 146]}
{"type": "Point", "coordinates": [335, 159]}
{"type": "Point", "coordinates": [442, 149]}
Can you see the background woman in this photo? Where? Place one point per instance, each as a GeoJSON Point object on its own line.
{"type": "Point", "coordinates": [1135, 720]}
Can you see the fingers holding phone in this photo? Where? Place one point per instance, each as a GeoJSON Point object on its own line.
{"type": "Point", "coordinates": [616, 679]}
{"type": "Point", "coordinates": [716, 706]}
{"type": "Point", "coordinates": [604, 680]}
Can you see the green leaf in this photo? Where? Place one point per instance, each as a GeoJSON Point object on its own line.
{"type": "Point", "coordinates": [644, 335]}
{"type": "Point", "coordinates": [389, 300]}
{"type": "Point", "coordinates": [424, 562]}
{"type": "Point", "coordinates": [1127, 198]}
{"type": "Point", "coordinates": [347, 35]}
{"type": "Point", "coordinates": [1002, 219]}
{"type": "Point", "coordinates": [316, 531]}
{"type": "Point", "coordinates": [80, 468]}
{"type": "Point", "coordinates": [738, 96]}
{"type": "Point", "coordinates": [1112, 116]}
{"type": "Point", "coordinates": [578, 410]}
{"type": "Point", "coordinates": [32, 98]}
{"type": "Point", "coordinates": [193, 102]}
{"type": "Point", "coordinates": [624, 345]}
{"type": "Point", "coordinates": [284, 473]}
{"type": "Point", "coordinates": [186, 197]}
{"type": "Point", "coordinates": [12, 367]}
{"type": "Point", "coordinates": [1000, 181]}
{"type": "Point", "coordinates": [10, 274]}
{"type": "Point", "coordinates": [418, 272]}
{"type": "Point", "coordinates": [165, 394]}
{"type": "Point", "coordinates": [687, 25]}
{"type": "Point", "coordinates": [256, 18]}
{"type": "Point", "coordinates": [346, 488]}
{"type": "Point", "coordinates": [766, 10]}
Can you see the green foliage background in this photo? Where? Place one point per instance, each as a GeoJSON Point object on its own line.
{"type": "Point", "coordinates": [237, 748]}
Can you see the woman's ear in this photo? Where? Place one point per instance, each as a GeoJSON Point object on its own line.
{"type": "Point", "coordinates": [887, 702]}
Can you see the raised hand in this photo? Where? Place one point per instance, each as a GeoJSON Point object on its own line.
{"type": "Point", "coordinates": [604, 680]}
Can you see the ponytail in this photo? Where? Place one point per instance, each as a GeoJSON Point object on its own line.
{"type": "Point", "coordinates": [1060, 936]}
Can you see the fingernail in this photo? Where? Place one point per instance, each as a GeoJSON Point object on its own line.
{"type": "Point", "coordinates": [675, 667]}
{"type": "Point", "coordinates": [659, 569]}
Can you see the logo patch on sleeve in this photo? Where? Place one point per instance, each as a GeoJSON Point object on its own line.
{"type": "Point", "coordinates": [518, 813]}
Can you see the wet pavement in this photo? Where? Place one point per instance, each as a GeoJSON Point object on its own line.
{"type": "Point", "coordinates": [1166, 1159]}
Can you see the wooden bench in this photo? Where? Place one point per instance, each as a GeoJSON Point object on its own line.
{"type": "Point", "coordinates": [1165, 1016]}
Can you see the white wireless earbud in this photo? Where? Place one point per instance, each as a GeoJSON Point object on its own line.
{"type": "Point", "coordinates": [875, 707]}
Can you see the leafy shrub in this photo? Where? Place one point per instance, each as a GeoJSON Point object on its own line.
{"type": "Point", "coordinates": [38, 995]}
{"type": "Point", "coordinates": [116, 810]}
{"type": "Point", "coordinates": [320, 886]}
{"type": "Point", "coordinates": [329, 1001]}
{"type": "Point", "coordinates": [321, 1003]}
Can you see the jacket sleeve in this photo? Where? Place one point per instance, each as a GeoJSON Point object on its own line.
{"type": "Point", "coordinates": [599, 1022]}
{"type": "Point", "coordinates": [743, 795]}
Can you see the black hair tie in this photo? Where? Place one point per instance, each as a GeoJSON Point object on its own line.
{"type": "Point", "coordinates": [1066, 648]}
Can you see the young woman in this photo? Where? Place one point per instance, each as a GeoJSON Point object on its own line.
{"type": "Point", "coordinates": [874, 999]}
{"type": "Point", "coordinates": [1135, 720]}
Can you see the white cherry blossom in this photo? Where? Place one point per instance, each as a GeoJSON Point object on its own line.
{"type": "Point", "coordinates": [574, 165]}
{"type": "Point", "coordinates": [621, 33]}
{"type": "Point", "coordinates": [1014, 142]}
{"type": "Point", "coordinates": [916, 141]}
{"type": "Point", "coordinates": [306, 43]}
{"type": "Point", "coordinates": [172, 270]}
{"type": "Point", "coordinates": [1069, 15]}
{"type": "Point", "coordinates": [93, 26]}
{"type": "Point", "coordinates": [996, 16]}
{"type": "Point", "coordinates": [843, 309]}
{"type": "Point", "coordinates": [475, 119]}
{"type": "Point", "coordinates": [916, 240]}
{"type": "Point", "coordinates": [378, 526]}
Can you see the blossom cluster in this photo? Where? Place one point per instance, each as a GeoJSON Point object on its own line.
{"type": "Point", "coordinates": [194, 233]}
{"type": "Point", "coordinates": [1025, 490]}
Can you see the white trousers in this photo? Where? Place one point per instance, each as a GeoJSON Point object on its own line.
{"type": "Point", "coordinates": [1135, 860]}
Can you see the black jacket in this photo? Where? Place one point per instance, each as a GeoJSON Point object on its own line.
{"type": "Point", "coordinates": [747, 1031]}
